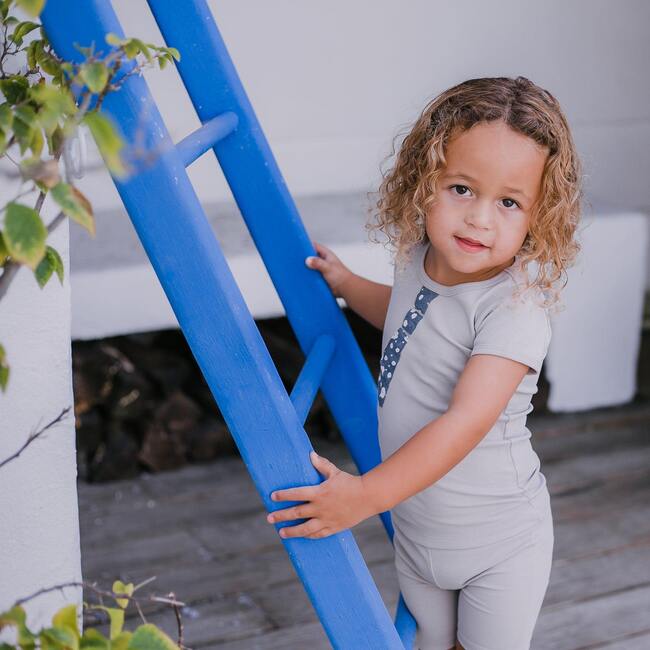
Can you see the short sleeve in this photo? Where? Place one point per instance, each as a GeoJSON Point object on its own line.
{"type": "Point", "coordinates": [518, 330]}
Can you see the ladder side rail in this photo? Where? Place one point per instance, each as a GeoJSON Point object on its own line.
{"type": "Point", "coordinates": [272, 219]}
{"type": "Point", "coordinates": [271, 216]}
{"type": "Point", "coordinates": [224, 337]}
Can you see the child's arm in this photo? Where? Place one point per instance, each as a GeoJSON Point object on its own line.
{"type": "Point", "coordinates": [367, 298]}
{"type": "Point", "coordinates": [483, 390]}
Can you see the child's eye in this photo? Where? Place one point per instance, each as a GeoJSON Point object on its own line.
{"type": "Point", "coordinates": [460, 187]}
{"type": "Point", "coordinates": [512, 201]}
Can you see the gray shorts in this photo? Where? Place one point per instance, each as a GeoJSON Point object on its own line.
{"type": "Point", "coordinates": [488, 597]}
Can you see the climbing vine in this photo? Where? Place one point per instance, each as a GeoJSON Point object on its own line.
{"type": "Point", "coordinates": [44, 101]}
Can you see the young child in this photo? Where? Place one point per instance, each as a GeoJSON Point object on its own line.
{"type": "Point", "coordinates": [485, 182]}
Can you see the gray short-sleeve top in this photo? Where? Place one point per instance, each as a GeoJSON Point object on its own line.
{"type": "Point", "coordinates": [497, 490]}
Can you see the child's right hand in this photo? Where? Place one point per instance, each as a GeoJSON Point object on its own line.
{"type": "Point", "coordinates": [331, 268]}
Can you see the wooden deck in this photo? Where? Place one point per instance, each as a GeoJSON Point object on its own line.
{"type": "Point", "coordinates": [202, 532]}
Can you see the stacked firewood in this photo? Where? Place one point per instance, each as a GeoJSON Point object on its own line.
{"type": "Point", "coordinates": [141, 403]}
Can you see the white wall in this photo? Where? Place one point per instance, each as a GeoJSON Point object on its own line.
{"type": "Point", "coordinates": [333, 82]}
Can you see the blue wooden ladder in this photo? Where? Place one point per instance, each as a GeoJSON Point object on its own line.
{"type": "Point", "coordinates": [266, 423]}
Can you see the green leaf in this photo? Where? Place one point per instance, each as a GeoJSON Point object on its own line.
{"type": "Point", "coordinates": [142, 47]}
{"type": "Point", "coordinates": [95, 76]}
{"type": "Point", "coordinates": [58, 637]}
{"type": "Point", "coordinates": [66, 617]}
{"type": "Point", "coordinates": [92, 639]}
{"type": "Point", "coordinates": [149, 637]}
{"type": "Point", "coordinates": [24, 125]}
{"type": "Point", "coordinates": [55, 141]}
{"type": "Point", "coordinates": [31, 7]}
{"type": "Point", "coordinates": [116, 616]}
{"type": "Point", "coordinates": [22, 29]}
{"type": "Point", "coordinates": [120, 588]}
{"type": "Point", "coordinates": [4, 252]}
{"type": "Point", "coordinates": [131, 48]}
{"type": "Point", "coordinates": [4, 380]}
{"type": "Point", "coordinates": [16, 615]}
{"type": "Point", "coordinates": [14, 88]}
{"type": "Point", "coordinates": [121, 641]}
{"type": "Point", "coordinates": [32, 62]}
{"type": "Point", "coordinates": [174, 52]}
{"type": "Point", "coordinates": [108, 141]}
{"type": "Point", "coordinates": [54, 104]}
{"type": "Point", "coordinates": [37, 142]}
{"type": "Point", "coordinates": [50, 263]}
{"type": "Point", "coordinates": [75, 205]}
{"type": "Point", "coordinates": [47, 62]}
{"type": "Point", "coordinates": [113, 39]}
{"type": "Point", "coordinates": [24, 234]}
{"type": "Point", "coordinates": [6, 116]}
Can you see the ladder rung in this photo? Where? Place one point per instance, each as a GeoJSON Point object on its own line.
{"type": "Point", "coordinates": [206, 136]}
{"type": "Point", "coordinates": [309, 379]}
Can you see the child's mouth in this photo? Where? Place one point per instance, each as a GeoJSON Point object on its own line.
{"type": "Point", "coordinates": [469, 246]}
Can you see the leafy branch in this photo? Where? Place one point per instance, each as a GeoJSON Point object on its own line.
{"type": "Point", "coordinates": [64, 632]}
{"type": "Point", "coordinates": [44, 106]}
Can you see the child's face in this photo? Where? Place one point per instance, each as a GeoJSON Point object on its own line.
{"type": "Point", "coordinates": [477, 198]}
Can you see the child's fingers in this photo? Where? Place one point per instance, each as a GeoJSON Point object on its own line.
{"type": "Point", "coordinates": [306, 493]}
{"type": "Point", "coordinates": [304, 511]}
{"type": "Point", "coordinates": [323, 251]}
{"type": "Point", "coordinates": [311, 527]}
{"type": "Point", "coordinates": [317, 263]}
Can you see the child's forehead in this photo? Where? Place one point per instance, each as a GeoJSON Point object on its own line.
{"type": "Point", "coordinates": [495, 153]}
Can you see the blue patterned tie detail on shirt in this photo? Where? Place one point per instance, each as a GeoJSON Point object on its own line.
{"type": "Point", "coordinates": [391, 355]}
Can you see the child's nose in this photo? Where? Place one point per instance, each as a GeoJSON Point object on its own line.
{"type": "Point", "coordinates": [481, 216]}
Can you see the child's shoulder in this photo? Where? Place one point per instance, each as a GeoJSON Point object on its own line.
{"type": "Point", "coordinates": [512, 304]}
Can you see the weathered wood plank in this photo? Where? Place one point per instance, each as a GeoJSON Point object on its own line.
{"type": "Point", "coordinates": [599, 574]}
{"type": "Point", "coordinates": [628, 642]}
{"type": "Point", "coordinates": [582, 470]}
{"type": "Point", "coordinates": [593, 441]}
{"type": "Point", "coordinates": [219, 621]}
{"type": "Point", "coordinates": [103, 561]}
{"type": "Point", "coordinates": [309, 636]}
{"type": "Point", "coordinates": [288, 604]}
{"type": "Point", "coordinates": [202, 530]}
{"type": "Point", "coordinates": [596, 620]}
{"type": "Point", "coordinates": [617, 529]}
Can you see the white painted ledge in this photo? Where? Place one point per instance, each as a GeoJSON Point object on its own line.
{"type": "Point", "coordinates": [115, 290]}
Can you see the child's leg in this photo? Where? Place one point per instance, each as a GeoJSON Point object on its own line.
{"type": "Point", "coordinates": [434, 609]}
{"type": "Point", "coordinates": [498, 608]}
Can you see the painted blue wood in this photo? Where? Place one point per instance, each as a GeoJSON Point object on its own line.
{"type": "Point", "coordinates": [311, 375]}
{"type": "Point", "coordinates": [211, 311]}
{"type": "Point", "coordinates": [205, 137]}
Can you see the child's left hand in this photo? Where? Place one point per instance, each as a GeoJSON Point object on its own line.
{"type": "Point", "coordinates": [337, 503]}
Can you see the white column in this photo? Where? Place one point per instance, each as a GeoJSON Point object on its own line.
{"type": "Point", "coordinates": [39, 522]}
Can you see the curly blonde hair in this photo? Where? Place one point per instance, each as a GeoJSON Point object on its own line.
{"type": "Point", "coordinates": [409, 187]}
